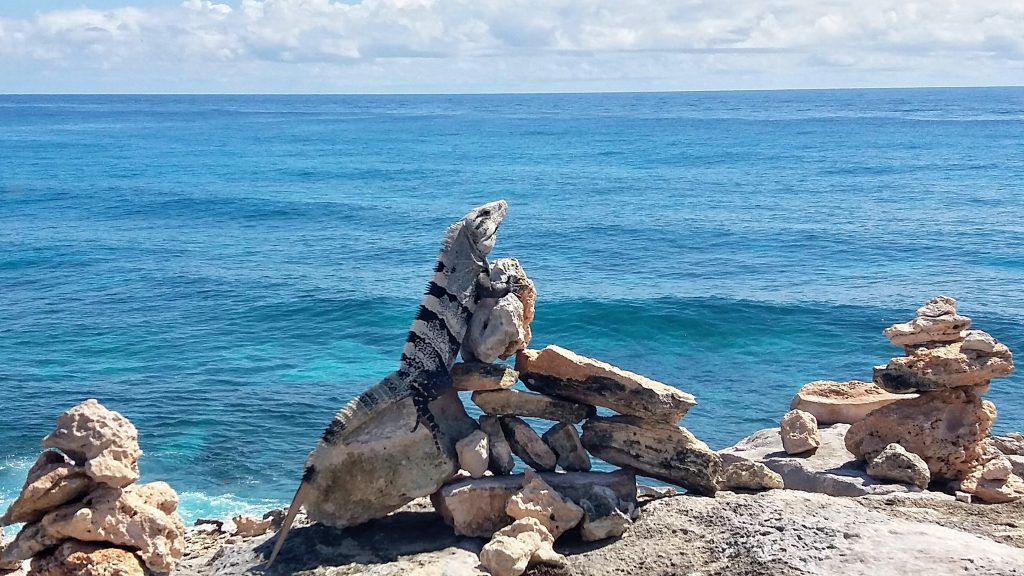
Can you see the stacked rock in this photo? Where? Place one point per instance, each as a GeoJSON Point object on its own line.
{"type": "Point", "coordinates": [948, 424]}
{"type": "Point", "coordinates": [84, 514]}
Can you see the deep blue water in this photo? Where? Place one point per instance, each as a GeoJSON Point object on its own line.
{"type": "Point", "coordinates": [228, 271]}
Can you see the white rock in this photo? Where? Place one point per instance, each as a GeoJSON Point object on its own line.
{"type": "Point", "coordinates": [496, 330]}
{"type": "Point", "coordinates": [539, 500]}
{"type": "Point", "coordinates": [104, 441]}
{"type": "Point", "coordinates": [799, 432]}
{"type": "Point", "coordinates": [473, 453]}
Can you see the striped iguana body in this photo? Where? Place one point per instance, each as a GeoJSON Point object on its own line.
{"type": "Point", "coordinates": [433, 343]}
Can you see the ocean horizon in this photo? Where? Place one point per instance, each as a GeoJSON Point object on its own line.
{"type": "Point", "coordinates": [227, 271]}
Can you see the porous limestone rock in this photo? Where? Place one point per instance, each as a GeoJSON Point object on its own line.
{"type": "Point", "coordinates": [525, 542]}
{"type": "Point", "coordinates": [101, 440]}
{"type": "Point", "coordinates": [472, 376]}
{"type": "Point", "coordinates": [656, 449]}
{"type": "Point", "coordinates": [842, 402]}
{"type": "Point", "coordinates": [979, 341]}
{"type": "Point", "coordinates": [1011, 444]}
{"type": "Point", "coordinates": [539, 500]}
{"type": "Point", "coordinates": [947, 428]}
{"type": "Point", "coordinates": [76, 558]}
{"type": "Point", "coordinates": [509, 269]}
{"type": "Point", "coordinates": [938, 306]}
{"type": "Point", "coordinates": [564, 441]}
{"type": "Point", "coordinates": [799, 432]}
{"type": "Point", "coordinates": [496, 330]}
{"type": "Point", "coordinates": [993, 491]}
{"type": "Point", "coordinates": [560, 372]}
{"type": "Point", "coordinates": [749, 475]}
{"type": "Point", "coordinates": [31, 540]}
{"type": "Point", "coordinates": [526, 444]}
{"type": "Point", "coordinates": [944, 366]}
{"type": "Point", "coordinates": [473, 453]}
{"type": "Point", "coordinates": [477, 507]}
{"type": "Point", "coordinates": [499, 452]}
{"type": "Point", "coordinates": [603, 517]}
{"type": "Point", "coordinates": [250, 526]}
{"type": "Point", "coordinates": [924, 328]}
{"type": "Point", "coordinates": [998, 468]}
{"type": "Point", "coordinates": [51, 482]}
{"type": "Point", "coordinates": [531, 405]}
{"type": "Point", "coordinates": [895, 463]}
{"type": "Point", "coordinates": [8, 564]}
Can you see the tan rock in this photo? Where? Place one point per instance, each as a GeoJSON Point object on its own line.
{"type": "Point", "coordinates": [995, 491]}
{"type": "Point", "coordinates": [504, 269]}
{"type": "Point", "coordinates": [52, 481]}
{"type": "Point", "coordinates": [656, 449]}
{"type": "Point", "coordinates": [1011, 444]}
{"type": "Point", "coordinates": [526, 444]}
{"type": "Point", "coordinates": [842, 402]}
{"type": "Point", "coordinates": [250, 526]}
{"type": "Point", "coordinates": [947, 428]}
{"type": "Point", "coordinates": [947, 366]}
{"type": "Point", "coordinates": [531, 405]}
{"type": "Point", "coordinates": [500, 453]}
{"type": "Point", "coordinates": [159, 495]}
{"type": "Point", "coordinates": [473, 453]}
{"type": "Point", "coordinates": [500, 556]}
{"type": "Point", "coordinates": [473, 376]}
{"type": "Point", "coordinates": [540, 501]}
{"type": "Point", "coordinates": [998, 468]}
{"type": "Point", "coordinates": [496, 330]}
{"type": "Point", "coordinates": [925, 329]}
{"type": "Point", "coordinates": [560, 372]}
{"type": "Point", "coordinates": [102, 440]}
{"type": "Point", "coordinates": [30, 541]}
{"type": "Point", "coordinates": [564, 441]}
{"type": "Point", "coordinates": [749, 475]}
{"type": "Point", "coordinates": [978, 341]}
{"type": "Point", "coordinates": [477, 507]}
{"type": "Point", "coordinates": [9, 564]}
{"type": "Point", "coordinates": [603, 516]}
{"type": "Point", "coordinates": [75, 558]}
{"type": "Point", "coordinates": [799, 432]}
{"type": "Point", "coordinates": [897, 464]}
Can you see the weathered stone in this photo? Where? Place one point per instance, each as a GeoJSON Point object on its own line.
{"type": "Point", "coordinates": [8, 565]}
{"type": "Point", "coordinates": [101, 440]}
{"type": "Point", "coordinates": [799, 432]}
{"type": "Point", "coordinates": [496, 330]}
{"type": "Point", "coordinates": [1017, 463]}
{"type": "Point", "coordinates": [124, 518]}
{"type": "Point", "coordinates": [500, 453]}
{"type": "Point", "coordinates": [749, 475]}
{"type": "Point", "coordinates": [979, 341]}
{"type": "Point", "coordinates": [895, 463]}
{"type": "Point", "coordinates": [560, 372]}
{"type": "Point", "coordinates": [831, 469]}
{"type": "Point", "coordinates": [473, 376]}
{"type": "Point", "coordinates": [938, 306]}
{"type": "Point", "coordinates": [947, 366]}
{"type": "Point", "coordinates": [964, 497]}
{"type": "Point", "coordinates": [564, 441]}
{"type": "Point", "coordinates": [1011, 444]}
{"type": "Point", "coordinates": [656, 449]}
{"type": "Point", "coordinates": [842, 402]}
{"type": "Point", "coordinates": [603, 517]}
{"type": "Point", "coordinates": [52, 481]}
{"type": "Point", "coordinates": [250, 526]}
{"type": "Point", "coordinates": [477, 507]}
{"type": "Point", "coordinates": [925, 329]}
{"type": "Point", "coordinates": [472, 451]}
{"type": "Point", "coordinates": [30, 541]}
{"type": "Point", "coordinates": [525, 542]}
{"type": "Point", "coordinates": [526, 444]}
{"type": "Point", "coordinates": [998, 468]}
{"type": "Point", "coordinates": [539, 500]}
{"type": "Point", "coordinates": [531, 405]}
{"type": "Point", "coordinates": [509, 269]}
{"type": "Point", "coordinates": [75, 558]}
{"type": "Point", "coordinates": [947, 428]}
{"type": "Point", "coordinates": [994, 491]}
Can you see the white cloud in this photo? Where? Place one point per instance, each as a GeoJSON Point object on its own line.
{"type": "Point", "coordinates": [467, 45]}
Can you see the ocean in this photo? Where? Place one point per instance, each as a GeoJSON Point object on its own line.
{"type": "Point", "coordinates": [227, 271]}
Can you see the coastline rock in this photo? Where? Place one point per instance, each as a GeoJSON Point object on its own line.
{"type": "Point", "coordinates": [799, 432]}
{"type": "Point", "coordinates": [506, 269]}
{"type": "Point", "coordinates": [500, 453]}
{"type": "Point", "coordinates": [925, 329]}
{"type": "Point", "coordinates": [531, 405]}
{"type": "Point", "coordinates": [938, 306]}
{"type": "Point", "coordinates": [473, 376]}
{"type": "Point", "coordinates": [947, 428]}
{"type": "Point", "coordinates": [525, 542]}
{"type": "Point", "coordinates": [560, 372]}
{"type": "Point", "coordinates": [473, 453]}
{"type": "Point", "coordinates": [526, 444]}
{"type": "Point", "coordinates": [564, 441]}
{"type": "Point", "coordinates": [250, 526]}
{"type": "Point", "coordinates": [979, 341]}
{"type": "Point", "coordinates": [1011, 444]}
{"type": "Point", "coordinates": [663, 451]}
{"type": "Point", "coordinates": [602, 516]}
{"type": "Point", "coordinates": [496, 330]}
{"type": "Point", "coordinates": [842, 402]}
{"type": "Point", "coordinates": [477, 507]}
{"type": "Point", "coordinates": [749, 475]}
{"type": "Point", "coordinates": [51, 482]}
{"type": "Point", "coordinates": [895, 463]}
{"type": "Point", "coordinates": [31, 540]}
{"type": "Point", "coordinates": [540, 501]}
{"type": "Point", "coordinates": [831, 469]}
{"type": "Point", "coordinates": [946, 366]}
{"type": "Point", "coordinates": [994, 491]}
{"type": "Point", "coordinates": [102, 440]}
{"type": "Point", "coordinates": [75, 558]}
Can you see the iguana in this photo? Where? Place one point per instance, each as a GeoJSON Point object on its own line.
{"type": "Point", "coordinates": [461, 279]}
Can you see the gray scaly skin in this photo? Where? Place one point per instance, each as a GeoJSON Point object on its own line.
{"type": "Point", "coordinates": [460, 281]}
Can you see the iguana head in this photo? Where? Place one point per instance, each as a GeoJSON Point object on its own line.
{"type": "Point", "coordinates": [481, 225]}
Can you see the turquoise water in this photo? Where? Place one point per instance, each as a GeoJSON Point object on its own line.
{"type": "Point", "coordinates": [228, 271]}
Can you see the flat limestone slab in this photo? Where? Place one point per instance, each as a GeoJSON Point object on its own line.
{"type": "Point", "coordinates": [663, 451]}
{"type": "Point", "coordinates": [531, 405]}
{"type": "Point", "coordinates": [472, 376]}
{"type": "Point", "coordinates": [560, 372]}
{"type": "Point", "coordinates": [842, 402]}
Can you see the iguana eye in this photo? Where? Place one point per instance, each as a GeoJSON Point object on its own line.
{"type": "Point", "coordinates": [485, 214]}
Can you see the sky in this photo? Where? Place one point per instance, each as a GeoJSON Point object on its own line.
{"type": "Point", "coordinates": [460, 46]}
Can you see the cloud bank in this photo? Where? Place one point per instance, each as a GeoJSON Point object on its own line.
{"type": "Point", "coordinates": [513, 46]}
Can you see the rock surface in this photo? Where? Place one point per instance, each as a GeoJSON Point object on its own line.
{"type": "Point", "coordinates": [604, 516]}
{"type": "Point", "coordinates": [500, 453]}
{"type": "Point", "coordinates": [523, 287]}
{"type": "Point", "coordinates": [842, 402]}
{"type": "Point", "coordinates": [560, 372]}
{"type": "Point", "coordinates": [896, 464]}
{"type": "Point", "coordinates": [994, 491]}
{"type": "Point", "coordinates": [496, 330]}
{"type": "Point", "coordinates": [929, 327]}
{"type": "Point", "coordinates": [1011, 444]}
{"type": "Point", "coordinates": [946, 366]}
{"type": "Point", "coordinates": [749, 475]}
{"type": "Point", "coordinates": [526, 444]}
{"type": "Point", "coordinates": [540, 501]}
{"type": "Point", "coordinates": [102, 440]}
{"type": "Point", "coordinates": [51, 482]}
{"type": "Point", "coordinates": [564, 441]}
{"type": "Point", "coordinates": [74, 558]}
{"type": "Point", "coordinates": [663, 451]}
{"type": "Point", "coordinates": [473, 376]}
{"type": "Point", "coordinates": [531, 405]}
{"type": "Point", "coordinates": [947, 428]}
{"type": "Point", "coordinates": [473, 453]}
{"type": "Point", "coordinates": [799, 431]}
{"type": "Point", "coordinates": [249, 526]}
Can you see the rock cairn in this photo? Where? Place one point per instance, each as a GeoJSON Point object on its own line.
{"type": "Point", "coordinates": [83, 512]}
{"type": "Point", "coordinates": [948, 424]}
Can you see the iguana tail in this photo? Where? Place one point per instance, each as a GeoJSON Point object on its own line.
{"type": "Point", "coordinates": [359, 410]}
{"type": "Point", "coordinates": [297, 501]}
